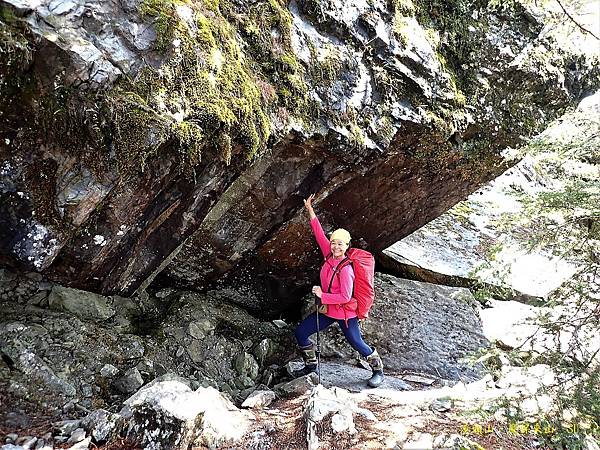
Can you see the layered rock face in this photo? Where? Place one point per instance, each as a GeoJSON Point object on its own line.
{"type": "Point", "coordinates": [154, 136]}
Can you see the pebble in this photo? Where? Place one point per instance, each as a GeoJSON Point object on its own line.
{"type": "Point", "coordinates": [108, 370]}
{"type": "Point", "coordinates": [26, 442]}
{"type": "Point", "coordinates": [77, 436]}
{"type": "Point", "coordinates": [66, 427]}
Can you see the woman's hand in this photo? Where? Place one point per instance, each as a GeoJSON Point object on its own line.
{"type": "Point", "coordinates": [309, 207]}
{"type": "Point", "coordinates": [317, 291]}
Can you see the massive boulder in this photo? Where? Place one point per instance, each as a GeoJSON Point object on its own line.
{"type": "Point", "coordinates": [139, 136]}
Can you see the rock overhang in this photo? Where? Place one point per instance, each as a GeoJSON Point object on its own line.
{"type": "Point", "coordinates": [407, 124]}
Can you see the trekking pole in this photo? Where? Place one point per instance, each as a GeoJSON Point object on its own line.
{"type": "Point", "coordinates": [318, 342]}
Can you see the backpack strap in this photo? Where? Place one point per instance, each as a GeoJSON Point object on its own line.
{"type": "Point", "coordinates": [343, 263]}
{"type": "Point", "coordinates": [337, 269]}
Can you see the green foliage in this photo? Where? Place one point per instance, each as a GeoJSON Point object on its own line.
{"type": "Point", "coordinates": [564, 218]}
{"type": "Point", "coordinates": [586, 396]}
{"type": "Point", "coordinates": [498, 290]}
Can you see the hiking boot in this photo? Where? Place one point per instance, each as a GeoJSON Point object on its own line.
{"type": "Point", "coordinates": [309, 355]}
{"type": "Point", "coordinates": [376, 364]}
{"type": "Point", "coordinates": [307, 369]}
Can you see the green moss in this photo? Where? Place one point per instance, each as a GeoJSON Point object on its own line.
{"type": "Point", "coordinates": [139, 130]}
{"type": "Point", "coordinates": [189, 136]}
{"type": "Point", "coordinates": [459, 47]}
{"type": "Point", "coordinates": [357, 137]}
{"type": "Point", "coordinates": [224, 145]}
{"type": "Point", "coordinates": [439, 122]}
{"type": "Point", "coordinates": [266, 27]}
{"type": "Point", "coordinates": [401, 10]}
{"type": "Point", "coordinates": [433, 36]}
{"type": "Point", "coordinates": [165, 19]}
{"type": "Point", "coordinates": [385, 130]}
{"type": "Point", "coordinates": [15, 51]}
{"type": "Point", "coordinates": [459, 98]}
{"type": "Point", "coordinates": [206, 94]}
{"type": "Point", "coordinates": [213, 95]}
{"type": "Point", "coordinates": [288, 62]}
{"type": "Point", "coordinates": [205, 36]}
{"type": "Point", "coordinates": [325, 67]}
{"type": "Point", "coordinates": [400, 29]}
{"type": "Point", "coordinates": [402, 7]}
{"type": "Point", "coordinates": [212, 5]}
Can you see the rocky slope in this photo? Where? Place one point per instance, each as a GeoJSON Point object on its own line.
{"type": "Point", "coordinates": [76, 345]}
{"type": "Point", "coordinates": [159, 136]}
{"type": "Point", "coordinates": [179, 369]}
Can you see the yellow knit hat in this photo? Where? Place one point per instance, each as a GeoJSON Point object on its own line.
{"type": "Point", "coordinates": [341, 235]}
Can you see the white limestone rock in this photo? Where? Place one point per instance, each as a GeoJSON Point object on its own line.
{"type": "Point", "coordinates": [169, 415]}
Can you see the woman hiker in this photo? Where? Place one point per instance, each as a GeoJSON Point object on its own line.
{"type": "Point", "coordinates": [338, 301]}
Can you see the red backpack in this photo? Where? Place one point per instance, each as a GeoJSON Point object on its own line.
{"type": "Point", "coordinates": [363, 263]}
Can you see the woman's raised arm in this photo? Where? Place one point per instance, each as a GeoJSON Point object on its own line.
{"type": "Point", "coordinates": [316, 227]}
{"type": "Point", "coordinates": [308, 206]}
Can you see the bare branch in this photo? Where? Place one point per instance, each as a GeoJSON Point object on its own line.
{"type": "Point", "coordinates": [581, 27]}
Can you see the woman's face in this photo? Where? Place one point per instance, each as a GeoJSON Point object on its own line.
{"type": "Point", "coordinates": [338, 248]}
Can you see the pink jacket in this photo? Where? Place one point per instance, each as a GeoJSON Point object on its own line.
{"type": "Point", "coordinates": [343, 283]}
